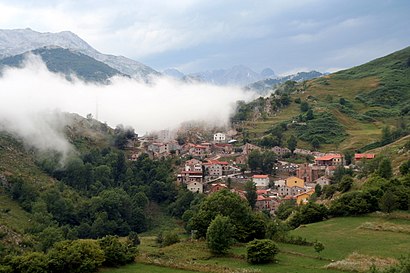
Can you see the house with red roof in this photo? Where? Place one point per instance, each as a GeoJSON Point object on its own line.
{"type": "Point", "coordinates": [261, 180]}
{"type": "Point", "coordinates": [330, 160]}
{"type": "Point", "coordinates": [358, 157]}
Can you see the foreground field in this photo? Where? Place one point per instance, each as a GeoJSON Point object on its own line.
{"type": "Point", "coordinates": [364, 241]}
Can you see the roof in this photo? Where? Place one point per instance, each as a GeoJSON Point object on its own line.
{"type": "Point", "coordinates": [260, 176]}
{"type": "Point", "coordinates": [215, 162]}
{"type": "Point", "coordinates": [262, 192]}
{"type": "Point", "coordinates": [191, 172]}
{"type": "Point", "coordinates": [366, 156]}
{"type": "Point", "coordinates": [329, 157]}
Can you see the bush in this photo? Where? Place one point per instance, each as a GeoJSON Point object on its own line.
{"type": "Point", "coordinates": [170, 238]}
{"type": "Point", "coordinates": [75, 256]}
{"type": "Point", "coordinates": [116, 253]}
{"type": "Point", "coordinates": [35, 262]}
{"type": "Point", "coordinates": [261, 251]}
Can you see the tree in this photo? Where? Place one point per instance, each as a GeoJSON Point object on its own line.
{"type": "Point", "coordinates": [219, 235]}
{"type": "Point", "coordinates": [35, 262]}
{"type": "Point", "coordinates": [251, 194]}
{"type": "Point", "coordinates": [224, 203]}
{"type": "Point", "coordinates": [75, 256]}
{"type": "Point", "coordinates": [261, 251]}
{"type": "Point", "coordinates": [319, 247]}
{"type": "Point", "coordinates": [405, 167]}
{"type": "Point", "coordinates": [292, 142]}
{"type": "Point", "coordinates": [388, 202]}
{"type": "Point", "coordinates": [309, 115]}
{"type": "Point", "coordinates": [304, 106]}
{"type": "Point", "coordinates": [346, 183]}
{"type": "Point", "coordinates": [116, 253]}
{"type": "Point", "coordinates": [385, 169]}
{"type": "Point", "coordinates": [315, 143]}
{"type": "Point", "coordinates": [318, 190]}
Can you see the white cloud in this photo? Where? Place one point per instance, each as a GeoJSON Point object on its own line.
{"type": "Point", "coordinates": [29, 95]}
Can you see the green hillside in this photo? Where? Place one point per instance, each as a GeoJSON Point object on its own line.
{"type": "Point", "coordinates": [363, 100]}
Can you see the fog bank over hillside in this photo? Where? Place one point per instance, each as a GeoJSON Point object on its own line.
{"type": "Point", "coordinates": [31, 97]}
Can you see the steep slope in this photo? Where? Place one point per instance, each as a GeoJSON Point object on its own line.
{"type": "Point", "coordinates": [18, 41]}
{"type": "Point", "coordinates": [67, 62]}
{"type": "Point", "coordinates": [364, 100]}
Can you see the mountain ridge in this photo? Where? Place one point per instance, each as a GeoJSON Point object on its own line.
{"type": "Point", "coordinates": [18, 41]}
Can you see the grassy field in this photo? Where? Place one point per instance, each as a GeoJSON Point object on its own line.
{"type": "Point", "coordinates": [342, 237]}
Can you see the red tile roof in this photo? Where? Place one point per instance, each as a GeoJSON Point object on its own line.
{"type": "Point", "coordinates": [260, 176]}
{"type": "Point", "coordinates": [366, 156]}
{"type": "Point", "coordinates": [329, 157]}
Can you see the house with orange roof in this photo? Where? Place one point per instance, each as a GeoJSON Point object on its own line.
{"type": "Point", "coordinates": [330, 160]}
{"type": "Point", "coordinates": [260, 180]}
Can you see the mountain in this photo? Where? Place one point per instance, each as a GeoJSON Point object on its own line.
{"type": "Point", "coordinates": [359, 109]}
{"type": "Point", "coordinates": [237, 75]}
{"type": "Point", "coordinates": [173, 73]}
{"type": "Point", "coordinates": [67, 62]}
{"type": "Point", "coordinates": [269, 83]}
{"type": "Point", "coordinates": [18, 41]}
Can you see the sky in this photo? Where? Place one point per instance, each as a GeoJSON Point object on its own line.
{"type": "Point", "coordinates": [198, 35]}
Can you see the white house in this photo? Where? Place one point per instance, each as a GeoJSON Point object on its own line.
{"type": "Point", "coordinates": [261, 180]}
{"type": "Point", "coordinates": [219, 137]}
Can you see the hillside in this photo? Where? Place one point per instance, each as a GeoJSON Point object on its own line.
{"type": "Point", "coordinates": [364, 100]}
{"type": "Point", "coordinates": [67, 62]}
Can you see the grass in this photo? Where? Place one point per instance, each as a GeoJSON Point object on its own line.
{"type": "Point", "coordinates": [143, 268]}
{"type": "Point", "coordinates": [346, 243]}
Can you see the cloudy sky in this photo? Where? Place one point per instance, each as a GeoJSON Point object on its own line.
{"type": "Point", "coordinates": [197, 35]}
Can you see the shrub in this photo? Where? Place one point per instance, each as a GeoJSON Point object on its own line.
{"type": "Point", "coordinates": [75, 256]}
{"type": "Point", "coordinates": [35, 262]}
{"type": "Point", "coordinates": [219, 235]}
{"type": "Point", "coordinates": [261, 251]}
{"type": "Point", "coordinates": [116, 253]}
{"type": "Point", "coordinates": [170, 238]}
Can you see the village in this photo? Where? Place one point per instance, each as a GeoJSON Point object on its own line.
{"type": "Point", "coordinates": [220, 163]}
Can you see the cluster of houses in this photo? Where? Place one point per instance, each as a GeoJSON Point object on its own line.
{"type": "Point", "coordinates": [205, 172]}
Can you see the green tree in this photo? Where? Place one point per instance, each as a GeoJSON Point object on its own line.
{"type": "Point", "coordinates": [224, 203]}
{"type": "Point", "coordinates": [219, 235]}
{"type": "Point", "coordinates": [34, 262]}
{"type": "Point", "coordinates": [405, 167]}
{"type": "Point", "coordinates": [318, 190]}
{"type": "Point", "coordinates": [345, 184]}
{"type": "Point", "coordinates": [75, 256]}
{"type": "Point", "coordinates": [309, 115]}
{"type": "Point", "coordinates": [319, 247]}
{"type": "Point", "coordinates": [304, 106]}
{"type": "Point", "coordinates": [315, 143]}
{"type": "Point", "coordinates": [261, 251]}
{"type": "Point", "coordinates": [388, 202]}
{"type": "Point", "coordinates": [292, 142]}
{"type": "Point", "coordinates": [251, 194]}
{"type": "Point", "coordinates": [385, 169]}
{"type": "Point", "coordinates": [116, 253]}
